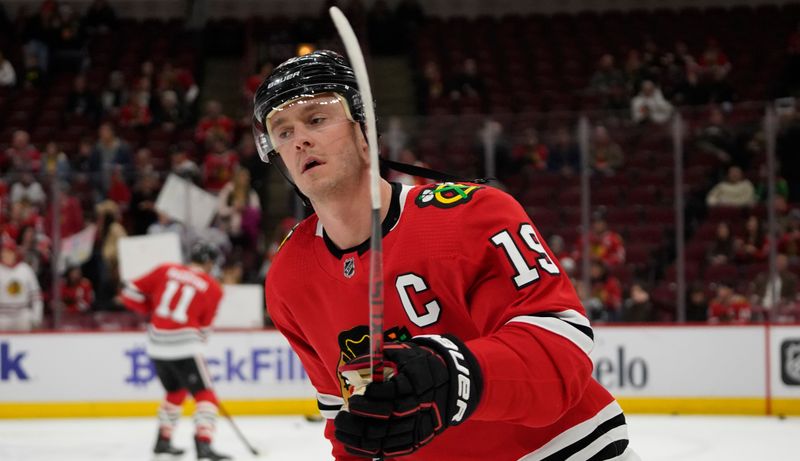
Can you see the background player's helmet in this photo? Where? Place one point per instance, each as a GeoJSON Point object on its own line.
{"type": "Point", "coordinates": [319, 72]}
{"type": "Point", "coordinates": [203, 252]}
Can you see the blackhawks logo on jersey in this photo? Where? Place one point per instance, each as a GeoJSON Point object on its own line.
{"type": "Point", "coordinates": [354, 349]}
{"type": "Point", "coordinates": [446, 195]}
{"type": "Point", "coordinates": [14, 288]}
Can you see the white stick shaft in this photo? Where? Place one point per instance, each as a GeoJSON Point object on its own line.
{"type": "Point", "coordinates": [360, 68]}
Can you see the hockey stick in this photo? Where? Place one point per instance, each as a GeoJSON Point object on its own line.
{"type": "Point", "coordinates": [376, 245]}
{"type": "Point", "coordinates": [236, 429]}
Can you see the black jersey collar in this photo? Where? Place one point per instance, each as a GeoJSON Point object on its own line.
{"type": "Point", "coordinates": [388, 222]}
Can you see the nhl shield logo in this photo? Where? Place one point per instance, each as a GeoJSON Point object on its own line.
{"type": "Point", "coordinates": [349, 267]}
{"type": "Point", "coordinates": [790, 362]}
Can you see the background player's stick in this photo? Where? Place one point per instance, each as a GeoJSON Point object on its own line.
{"type": "Point", "coordinates": [236, 429]}
{"type": "Point", "coordinates": [376, 247]}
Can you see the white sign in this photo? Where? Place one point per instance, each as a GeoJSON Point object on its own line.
{"type": "Point", "coordinates": [242, 306]}
{"type": "Point", "coordinates": [785, 363]}
{"type": "Point", "coordinates": [186, 203]}
{"type": "Point", "coordinates": [77, 248]}
{"type": "Point", "coordinates": [102, 367]}
{"type": "Point", "coordinates": [681, 361]}
{"type": "Point", "coordinates": [140, 254]}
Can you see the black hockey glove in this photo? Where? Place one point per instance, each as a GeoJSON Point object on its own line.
{"type": "Point", "coordinates": [436, 384]}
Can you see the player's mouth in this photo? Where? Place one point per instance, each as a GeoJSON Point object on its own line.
{"type": "Point", "coordinates": [310, 164]}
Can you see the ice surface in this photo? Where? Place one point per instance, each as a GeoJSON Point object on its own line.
{"type": "Point", "coordinates": [655, 438]}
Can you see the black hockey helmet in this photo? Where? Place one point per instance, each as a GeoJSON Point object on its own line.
{"type": "Point", "coordinates": [322, 71]}
{"type": "Point", "coordinates": [204, 252]}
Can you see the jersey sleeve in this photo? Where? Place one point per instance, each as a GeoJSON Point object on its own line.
{"type": "Point", "coordinates": [534, 338]}
{"type": "Point", "coordinates": [137, 294]}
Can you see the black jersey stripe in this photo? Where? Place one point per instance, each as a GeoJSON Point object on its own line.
{"type": "Point", "coordinates": [602, 429]}
{"type": "Point", "coordinates": [611, 451]}
{"type": "Point", "coordinates": [582, 328]}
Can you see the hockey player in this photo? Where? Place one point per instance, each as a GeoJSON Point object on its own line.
{"type": "Point", "coordinates": [181, 302]}
{"type": "Point", "coordinates": [21, 307]}
{"type": "Point", "coordinates": [487, 340]}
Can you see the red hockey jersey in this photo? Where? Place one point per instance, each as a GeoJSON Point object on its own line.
{"type": "Point", "coordinates": [182, 302]}
{"type": "Point", "coordinates": [463, 259]}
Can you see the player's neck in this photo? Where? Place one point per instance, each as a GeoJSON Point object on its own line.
{"type": "Point", "coordinates": [348, 222]}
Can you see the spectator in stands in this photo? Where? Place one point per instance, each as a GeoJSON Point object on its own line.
{"type": "Point", "coordinates": [559, 248]}
{"type": "Point", "coordinates": [70, 213]}
{"type": "Point", "coordinates": [650, 106]}
{"type": "Point", "coordinates": [100, 17]}
{"type": "Point", "coordinates": [716, 138]}
{"type": "Point", "coordinates": [531, 153]}
{"type": "Point", "coordinates": [118, 190]}
{"type": "Point", "coordinates": [34, 248]}
{"type": "Point", "coordinates": [106, 255]}
{"type": "Point", "coordinates": [713, 62]}
{"type": "Point", "coordinates": [789, 242]}
{"type": "Point", "coordinates": [81, 101]}
{"type": "Point", "coordinates": [115, 95]}
{"type": "Point", "coordinates": [20, 293]}
{"type": "Point", "coordinates": [729, 306]}
{"type": "Point", "coordinates": [8, 78]}
{"type": "Point", "coordinates": [752, 246]}
{"type": "Point", "coordinates": [55, 163]}
{"type": "Point", "coordinates": [169, 114]}
{"type": "Point", "coordinates": [633, 71]}
{"type": "Point", "coordinates": [638, 307]}
{"type": "Point", "coordinates": [735, 190]}
{"type": "Point", "coordinates": [784, 285]}
{"type": "Point", "coordinates": [252, 82]}
{"type": "Point", "coordinates": [214, 124]}
{"type": "Point", "coordinates": [605, 299]}
{"type": "Point", "coordinates": [69, 48]}
{"type": "Point", "coordinates": [697, 303]}
{"type": "Point", "coordinates": [22, 155]}
{"type": "Point", "coordinates": [762, 188]}
{"type": "Point", "coordinates": [28, 189]}
{"type": "Point", "coordinates": [20, 215]}
{"type": "Point", "coordinates": [182, 165]}
{"type": "Point", "coordinates": [33, 74]}
{"type": "Point", "coordinates": [181, 81]}
{"type": "Point", "coordinates": [605, 245]}
{"type": "Point", "coordinates": [564, 158]}
{"type": "Point", "coordinates": [40, 33]}
{"type": "Point", "coordinates": [77, 293]}
{"type": "Point", "coordinates": [108, 152]}
{"type": "Point", "coordinates": [721, 250]}
{"type": "Point", "coordinates": [608, 83]}
{"type": "Point", "coordinates": [143, 202]}
{"type": "Point", "coordinates": [467, 84]}
{"type": "Point", "coordinates": [136, 113]}
{"type": "Point", "coordinates": [430, 85]}
{"type": "Point", "coordinates": [249, 159]}
{"type": "Point", "coordinates": [219, 164]}
{"type": "Point", "coordinates": [606, 155]}
{"type": "Point", "coordinates": [239, 210]}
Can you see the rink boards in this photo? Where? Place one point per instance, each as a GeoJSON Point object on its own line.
{"type": "Point", "coordinates": [653, 369]}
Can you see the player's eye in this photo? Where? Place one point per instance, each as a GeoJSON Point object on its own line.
{"type": "Point", "coordinates": [284, 133]}
{"type": "Point", "coordinates": [318, 119]}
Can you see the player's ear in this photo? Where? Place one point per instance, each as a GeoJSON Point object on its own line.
{"type": "Point", "coordinates": [361, 142]}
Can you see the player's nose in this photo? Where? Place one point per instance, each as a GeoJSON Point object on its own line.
{"type": "Point", "coordinates": [302, 137]}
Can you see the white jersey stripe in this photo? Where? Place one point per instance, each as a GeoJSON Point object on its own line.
{"type": "Point", "coordinates": [329, 405]}
{"type": "Point", "coordinates": [574, 434]}
{"type": "Point", "coordinates": [560, 325]}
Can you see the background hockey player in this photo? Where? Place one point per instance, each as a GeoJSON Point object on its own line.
{"type": "Point", "coordinates": [181, 301]}
{"type": "Point", "coordinates": [487, 339]}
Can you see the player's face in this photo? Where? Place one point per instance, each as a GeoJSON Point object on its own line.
{"type": "Point", "coordinates": [322, 149]}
